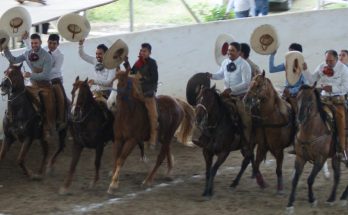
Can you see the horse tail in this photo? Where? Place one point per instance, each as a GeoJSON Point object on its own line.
{"type": "Point", "coordinates": [186, 124]}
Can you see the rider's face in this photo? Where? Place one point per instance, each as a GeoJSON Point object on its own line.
{"type": "Point", "coordinates": [330, 60]}
{"type": "Point", "coordinates": [99, 55]}
{"type": "Point", "coordinates": [35, 44]}
{"type": "Point", "coordinates": [52, 45]}
{"type": "Point", "coordinates": [232, 52]}
{"type": "Point", "coordinates": [343, 57]}
{"type": "Point", "coordinates": [144, 53]}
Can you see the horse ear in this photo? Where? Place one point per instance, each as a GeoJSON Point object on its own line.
{"type": "Point", "coordinates": [213, 87]}
{"type": "Point", "coordinates": [263, 73]}
{"type": "Point", "coordinates": [86, 81]}
{"type": "Point", "coordinates": [20, 65]}
{"type": "Point", "coordinates": [77, 78]}
{"type": "Point", "coordinates": [314, 85]}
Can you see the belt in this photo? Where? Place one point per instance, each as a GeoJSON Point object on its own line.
{"type": "Point", "coordinates": [56, 81]}
{"type": "Point", "coordinates": [41, 83]}
{"type": "Point", "coordinates": [333, 100]}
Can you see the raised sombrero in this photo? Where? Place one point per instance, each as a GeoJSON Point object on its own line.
{"type": "Point", "coordinates": [221, 47]}
{"type": "Point", "coordinates": [4, 39]}
{"type": "Point", "coordinates": [194, 86]}
{"type": "Point", "coordinates": [264, 40]}
{"type": "Point", "coordinates": [73, 27]}
{"type": "Point", "coordinates": [116, 54]}
{"type": "Point", "coordinates": [293, 66]}
{"type": "Point", "coordinates": [16, 21]}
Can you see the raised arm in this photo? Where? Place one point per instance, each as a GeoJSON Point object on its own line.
{"type": "Point", "coordinates": [84, 56]}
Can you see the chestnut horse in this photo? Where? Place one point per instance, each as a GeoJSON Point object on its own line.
{"type": "Point", "coordinates": [91, 127]}
{"type": "Point", "coordinates": [132, 126]}
{"type": "Point", "coordinates": [273, 122]}
{"type": "Point", "coordinates": [315, 143]}
{"type": "Point", "coordinates": [23, 121]}
{"type": "Point", "coordinates": [220, 134]}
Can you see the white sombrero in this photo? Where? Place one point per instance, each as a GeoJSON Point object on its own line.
{"type": "Point", "coordinates": [221, 47]}
{"type": "Point", "coordinates": [116, 54]}
{"type": "Point", "coordinates": [4, 39]}
{"type": "Point", "coordinates": [73, 27]}
{"type": "Point", "coordinates": [293, 66]}
{"type": "Point", "coordinates": [264, 40]}
{"type": "Point", "coordinates": [16, 21]}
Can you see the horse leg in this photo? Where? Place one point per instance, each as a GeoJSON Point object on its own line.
{"type": "Point", "coordinates": [310, 181]}
{"type": "Point", "coordinates": [260, 156]}
{"type": "Point", "coordinates": [170, 162]}
{"type": "Point", "coordinates": [76, 152]}
{"type": "Point", "coordinates": [62, 135]}
{"type": "Point", "coordinates": [299, 164]}
{"type": "Point", "coordinates": [326, 171]}
{"type": "Point", "coordinates": [220, 159]}
{"type": "Point", "coordinates": [208, 156]}
{"type": "Point", "coordinates": [44, 146]}
{"type": "Point", "coordinates": [336, 169]}
{"type": "Point", "coordinates": [126, 149]}
{"type": "Point", "coordinates": [5, 146]}
{"type": "Point", "coordinates": [21, 157]}
{"type": "Point", "coordinates": [116, 151]}
{"type": "Point", "coordinates": [245, 163]}
{"type": "Point", "coordinates": [344, 197]}
{"type": "Point", "coordinates": [142, 151]}
{"type": "Point", "coordinates": [98, 154]}
{"type": "Point", "coordinates": [161, 156]}
{"type": "Point", "coordinates": [279, 172]}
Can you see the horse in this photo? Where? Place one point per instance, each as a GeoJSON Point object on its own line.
{"type": "Point", "coordinates": [23, 122]}
{"type": "Point", "coordinates": [91, 127]}
{"type": "Point", "coordinates": [273, 123]}
{"type": "Point", "coordinates": [313, 145]}
{"type": "Point", "coordinates": [219, 136]}
{"type": "Point", "coordinates": [131, 126]}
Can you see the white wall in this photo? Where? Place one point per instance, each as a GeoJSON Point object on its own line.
{"type": "Point", "coordinates": [183, 51]}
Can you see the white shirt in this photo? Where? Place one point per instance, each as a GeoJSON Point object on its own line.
{"type": "Point", "coordinates": [339, 80]}
{"type": "Point", "coordinates": [103, 79]}
{"type": "Point", "coordinates": [238, 80]}
{"type": "Point", "coordinates": [241, 5]}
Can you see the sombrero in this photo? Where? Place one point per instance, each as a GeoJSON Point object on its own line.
{"type": "Point", "coordinates": [4, 39]}
{"type": "Point", "coordinates": [293, 66]}
{"type": "Point", "coordinates": [221, 47]}
{"type": "Point", "coordinates": [264, 40]}
{"type": "Point", "coordinates": [73, 27]}
{"type": "Point", "coordinates": [116, 54]}
{"type": "Point", "coordinates": [16, 21]}
{"type": "Point", "coordinates": [194, 86]}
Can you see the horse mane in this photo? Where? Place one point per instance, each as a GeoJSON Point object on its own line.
{"type": "Point", "coordinates": [320, 106]}
{"type": "Point", "coordinates": [281, 103]}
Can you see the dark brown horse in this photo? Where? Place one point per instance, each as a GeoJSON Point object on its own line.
{"type": "Point", "coordinates": [314, 142]}
{"type": "Point", "coordinates": [23, 121]}
{"type": "Point", "coordinates": [220, 134]}
{"type": "Point", "coordinates": [132, 126]}
{"type": "Point", "coordinates": [91, 127]}
{"type": "Point", "coordinates": [273, 123]}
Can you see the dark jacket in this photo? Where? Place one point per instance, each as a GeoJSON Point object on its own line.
{"type": "Point", "coordinates": [149, 79]}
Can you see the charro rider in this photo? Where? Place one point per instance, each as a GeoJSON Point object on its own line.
{"type": "Point", "coordinates": [103, 77]}
{"type": "Point", "coordinates": [40, 63]}
{"type": "Point", "coordinates": [146, 67]}
{"type": "Point", "coordinates": [333, 76]}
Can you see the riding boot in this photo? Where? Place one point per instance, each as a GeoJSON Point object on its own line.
{"type": "Point", "coordinates": [151, 106]}
{"type": "Point", "coordinates": [341, 124]}
{"type": "Point", "coordinates": [60, 96]}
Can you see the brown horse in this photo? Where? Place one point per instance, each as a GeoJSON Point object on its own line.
{"type": "Point", "coordinates": [273, 122]}
{"type": "Point", "coordinates": [91, 127]}
{"type": "Point", "coordinates": [23, 121]}
{"type": "Point", "coordinates": [313, 145]}
{"type": "Point", "coordinates": [132, 126]}
{"type": "Point", "coordinates": [220, 134]}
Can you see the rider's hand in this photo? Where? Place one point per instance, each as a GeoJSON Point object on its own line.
{"type": "Point", "coordinates": [226, 93]}
{"type": "Point", "coordinates": [27, 75]}
{"type": "Point", "coordinates": [327, 88]}
{"type": "Point", "coordinates": [81, 42]}
{"type": "Point", "coordinates": [25, 35]}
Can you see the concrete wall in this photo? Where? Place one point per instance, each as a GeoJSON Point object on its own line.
{"type": "Point", "coordinates": [183, 51]}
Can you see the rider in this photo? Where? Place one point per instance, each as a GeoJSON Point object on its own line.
{"type": "Point", "coordinates": [40, 63]}
{"type": "Point", "coordinates": [103, 77]}
{"type": "Point", "coordinates": [344, 57]}
{"type": "Point", "coordinates": [236, 73]}
{"type": "Point", "coordinates": [244, 53]}
{"type": "Point", "coordinates": [333, 76]}
{"type": "Point", "coordinates": [146, 67]}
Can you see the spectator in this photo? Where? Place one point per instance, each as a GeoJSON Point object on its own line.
{"type": "Point", "coordinates": [242, 8]}
{"type": "Point", "coordinates": [261, 7]}
{"type": "Point", "coordinates": [344, 57]}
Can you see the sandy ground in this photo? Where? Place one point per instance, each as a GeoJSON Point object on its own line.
{"type": "Point", "coordinates": [180, 195]}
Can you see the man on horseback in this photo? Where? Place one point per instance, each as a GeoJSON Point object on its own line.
{"type": "Point", "coordinates": [146, 68]}
{"type": "Point", "coordinates": [236, 73]}
{"type": "Point", "coordinates": [333, 76]}
{"type": "Point", "coordinates": [40, 63]}
{"type": "Point", "coordinates": [103, 77]}
{"type": "Point", "coordinates": [244, 53]}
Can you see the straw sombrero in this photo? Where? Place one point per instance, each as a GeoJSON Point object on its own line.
{"type": "Point", "coordinates": [293, 66]}
{"type": "Point", "coordinates": [194, 85]}
{"type": "Point", "coordinates": [73, 27]}
{"type": "Point", "coordinates": [264, 40]}
{"type": "Point", "coordinates": [221, 47]}
{"type": "Point", "coordinates": [16, 21]}
{"type": "Point", "coordinates": [4, 39]}
{"type": "Point", "coordinates": [116, 54]}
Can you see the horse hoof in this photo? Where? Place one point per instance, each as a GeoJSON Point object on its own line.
{"type": "Point", "coordinates": [343, 203]}
{"type": "Point", "coordinates": [49, 170]}
{"type": "Point", "coordinates": [314, 204]}
{"type": "Point", "coordinates": [207, 197]}
{"type": "Point", "coordinates": [36, 177]}
{"type": "Point", "coordinates": [289, 210]}
{"type": "Point", "coordinates": [144, 159]}
{"type": "Point", "coordinates": [112, 189]}
{"type": "Point", "coordinates": [329, 203]}
{"type": "Point", "coordinates": [63, 191]}
{"type": "Point", "coordinates": [146, 184]}
{"type": "Point", "coordinates": [280, 192]}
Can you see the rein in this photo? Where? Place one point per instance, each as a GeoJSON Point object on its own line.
{"type": "Point", "coordinates": [16, 97]}
{"type": "Point", "coordinates": [317, 139]}
{"type": "Point", "coordinates": [81, 120]}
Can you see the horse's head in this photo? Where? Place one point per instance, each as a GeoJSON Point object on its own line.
{"type": "Point", "coordinates": [307, 101]}
{"type": "Point", "coordinates": [81, 97]}
{"type": "Point", "coordinates": [13, 80]}
{"type": "Point", "coordinates": [259, 90]}
{"type": "Point", "coordinates": [128, 86]}
{"type": "Point", "coordinates": [206, 101]}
